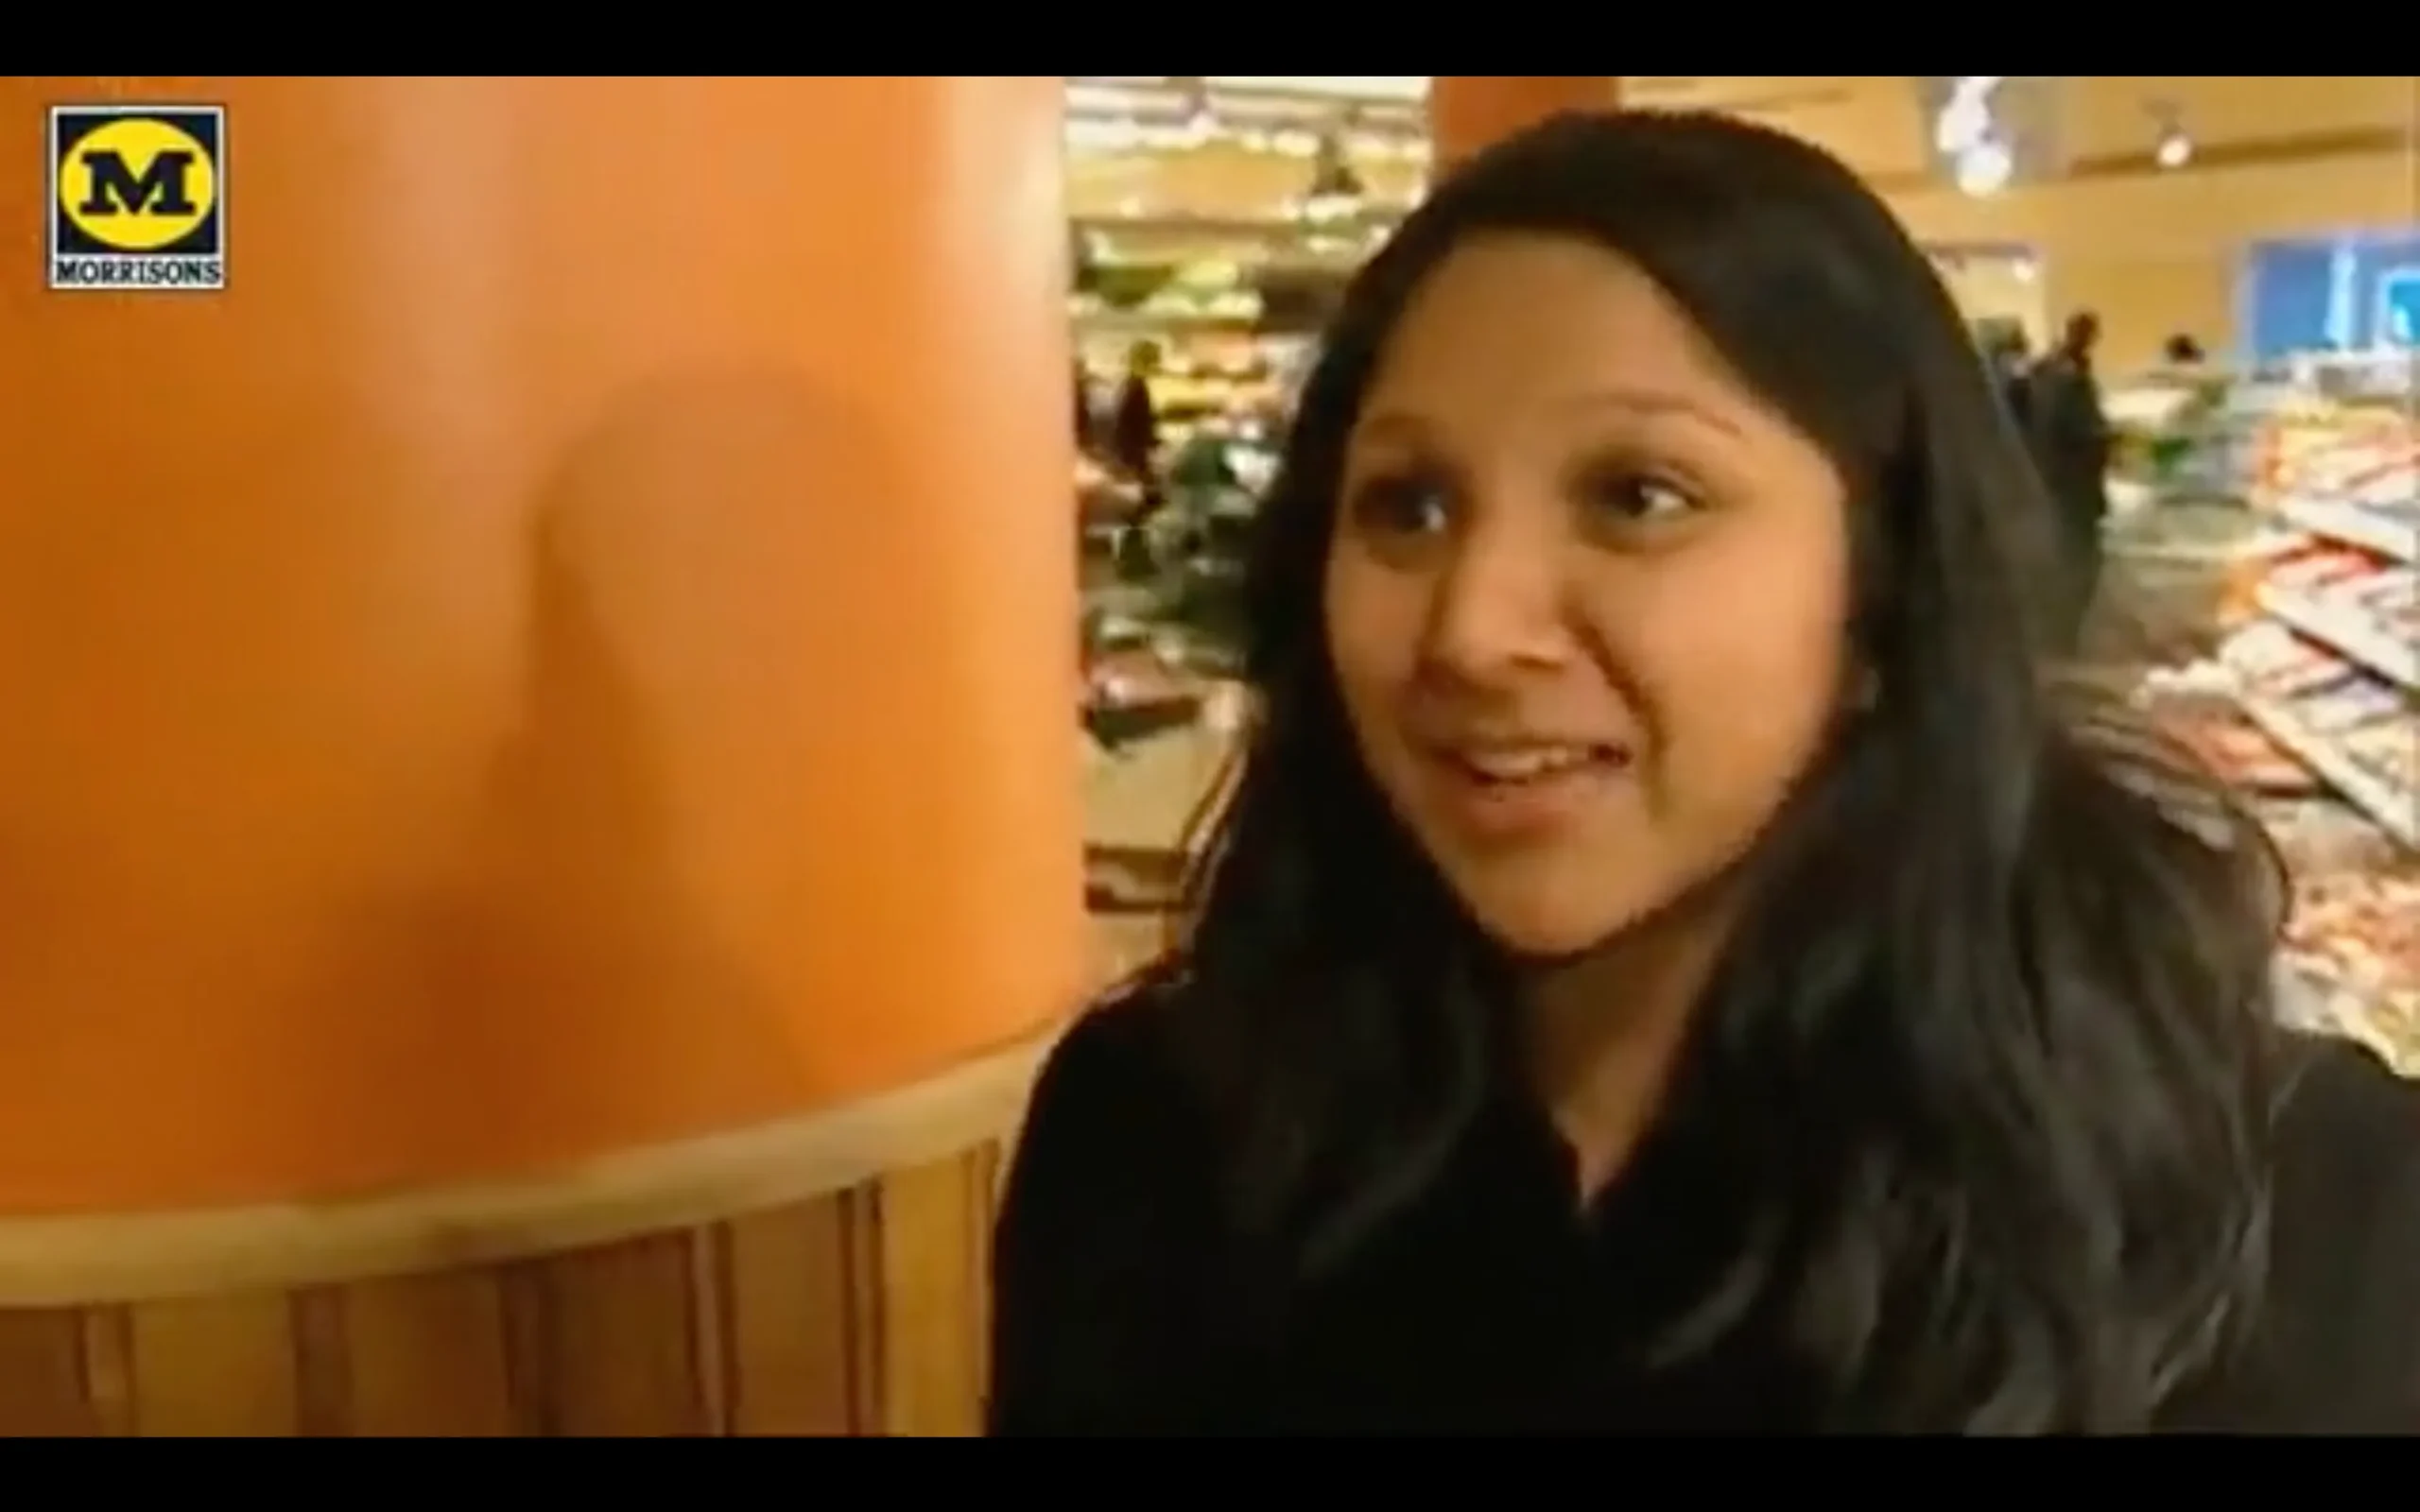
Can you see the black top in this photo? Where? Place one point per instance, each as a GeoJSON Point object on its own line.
{"type": "Point", "coordinates": [1495, 1306]}
{"type": "Point", "coordinates": [1134, 427]}
{"type": "Point", "coordinates": [2071, 436]}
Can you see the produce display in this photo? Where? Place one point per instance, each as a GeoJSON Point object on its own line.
{"type": "Point", "coordinates": [2358, 454]}
{"type": "Point", "coordinates": [2352, 942]}
{"type": "Point", "coordinates": [2354, 931]}
{"type": "Point", "coordinates": [2214, 725]}
{"type": "Point", "coordinates": [2309, 700]}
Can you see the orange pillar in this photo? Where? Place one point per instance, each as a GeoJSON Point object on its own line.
{"type": "Point", "coordinates": [568, 652]}
{"type": "Point", "coordinates": [1467, 112]}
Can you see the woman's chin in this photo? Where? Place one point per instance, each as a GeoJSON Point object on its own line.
{"type": "Point", "coordinates": [1546, 923]}
{"type": "Point", "coordinates": [1534, 933]}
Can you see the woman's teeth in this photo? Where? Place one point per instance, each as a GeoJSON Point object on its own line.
{"type": "Point", "coordinates": [1532, 763]}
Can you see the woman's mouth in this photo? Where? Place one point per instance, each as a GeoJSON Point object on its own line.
{"type": "Point", "coordinates": [1525, 790]}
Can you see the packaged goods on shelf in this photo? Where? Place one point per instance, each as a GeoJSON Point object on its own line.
{"type": "Point", "coordinates": [2389, 528]}
{"type": "Point", "coordinates": [2356, 452]}
{"type": "Point", "coordinates": [2331, 668]}
{"type": "Point", "coordinates": [2322, 837]}
{"type": "Point", "coordinates": [2370, 466]}
{"type": "Point", "coordinates": [2355, 926]}
{"type": "Point", "coordinates": [2268, 660]}
{"type": "Point", "coordinates": [2321, 682]}
{"type": "Point", "coordinates": [2350, 704]}
{"type": "Point", "coordinates": [2354, 931]}
{"type": "Point", "coordinates": [2390, 748]}
{"type": "Point", "coordinates": [2322, 565]}
{"type": "Point", "coordinates": [2243, 754]}
{"type": "Point", "coordinates": [2351, 477]}
{"type": "Point", "coordinates": [2196, 705]}
{"type": "Point", "coordinates": [2357, 938]}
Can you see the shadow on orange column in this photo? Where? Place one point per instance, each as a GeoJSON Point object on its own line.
{"type": "Point", "coordinates": [567, 655]}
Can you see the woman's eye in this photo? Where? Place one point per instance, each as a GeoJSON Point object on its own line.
{"type": "Point", "coordinates": [1408, 506]}
{"type": "Point", "coordinates": [1640, 498]}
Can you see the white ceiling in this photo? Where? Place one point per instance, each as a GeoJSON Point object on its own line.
{"type": "Point", "coordinates": [1355, 86]}
{"type": "Point", "coordinates": [1405, 87]}
{"type": "Point", "coordinates": [1726, 91]}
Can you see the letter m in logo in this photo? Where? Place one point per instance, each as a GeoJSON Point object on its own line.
{"type": "Point", "coordinates": [164, 187]}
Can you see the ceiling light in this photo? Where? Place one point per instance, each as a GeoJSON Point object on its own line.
{"type": "Point", "coordinates": [1966, 119]}
{"type": "Point", "coordinates": [1985, 168]}
{"type": "Point", "coordinates": [2175, 148]}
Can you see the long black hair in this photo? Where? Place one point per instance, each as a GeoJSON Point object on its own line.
{"type": "Point", "coordinates": [1991, 1054]}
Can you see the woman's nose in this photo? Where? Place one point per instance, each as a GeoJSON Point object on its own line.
{"type": "Point", "coordinates": [1500, 604]}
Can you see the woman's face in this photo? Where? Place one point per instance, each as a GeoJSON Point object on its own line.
{"type": "Point", "coordinates": [1587, 596]}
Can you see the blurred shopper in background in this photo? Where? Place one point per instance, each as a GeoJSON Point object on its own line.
{"type": "Point", "coordinates": [2072, 446]}
{"type": "Point", "coordinates": [1134, 419]}
{"type": "Point", "coordinates": [2009, 357]}
{"type": "Point", "coordinates": [1133, 450]}
{"type": "Point", "coordinates": [1083, 410]}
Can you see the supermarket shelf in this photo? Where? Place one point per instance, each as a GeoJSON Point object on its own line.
{"type": "Point", "coordinates": [2392, 809]}
{"type": "Point", "coordinates": [2355, 525]}
{"type": "Point", "coordinates": [1168, 321]}
{"type": "Point", "coordinates": [2145, 545]}
{"type": "Point", "coordinates": [2363, 642]}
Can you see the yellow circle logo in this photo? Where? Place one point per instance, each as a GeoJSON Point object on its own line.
{"type": "Point", "coordinates": [137, 184]}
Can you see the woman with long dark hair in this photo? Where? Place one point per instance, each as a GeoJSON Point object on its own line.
{"type": "Point", "coordinates": [1678, 956]}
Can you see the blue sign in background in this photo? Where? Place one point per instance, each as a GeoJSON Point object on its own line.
{"type": "Point", "coordinates": [2341, 294]}
{"type": "Point", "coordinates": [2400, 307]}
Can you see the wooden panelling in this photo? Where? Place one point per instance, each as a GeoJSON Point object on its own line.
{"type": "Point", "coordinates": [785, 1295]}
{"type": "Point", "coordinates": [859, 1313]}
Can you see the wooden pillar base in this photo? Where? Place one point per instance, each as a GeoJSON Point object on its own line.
{"type": "Point", "coordinates": [824, 1278]}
